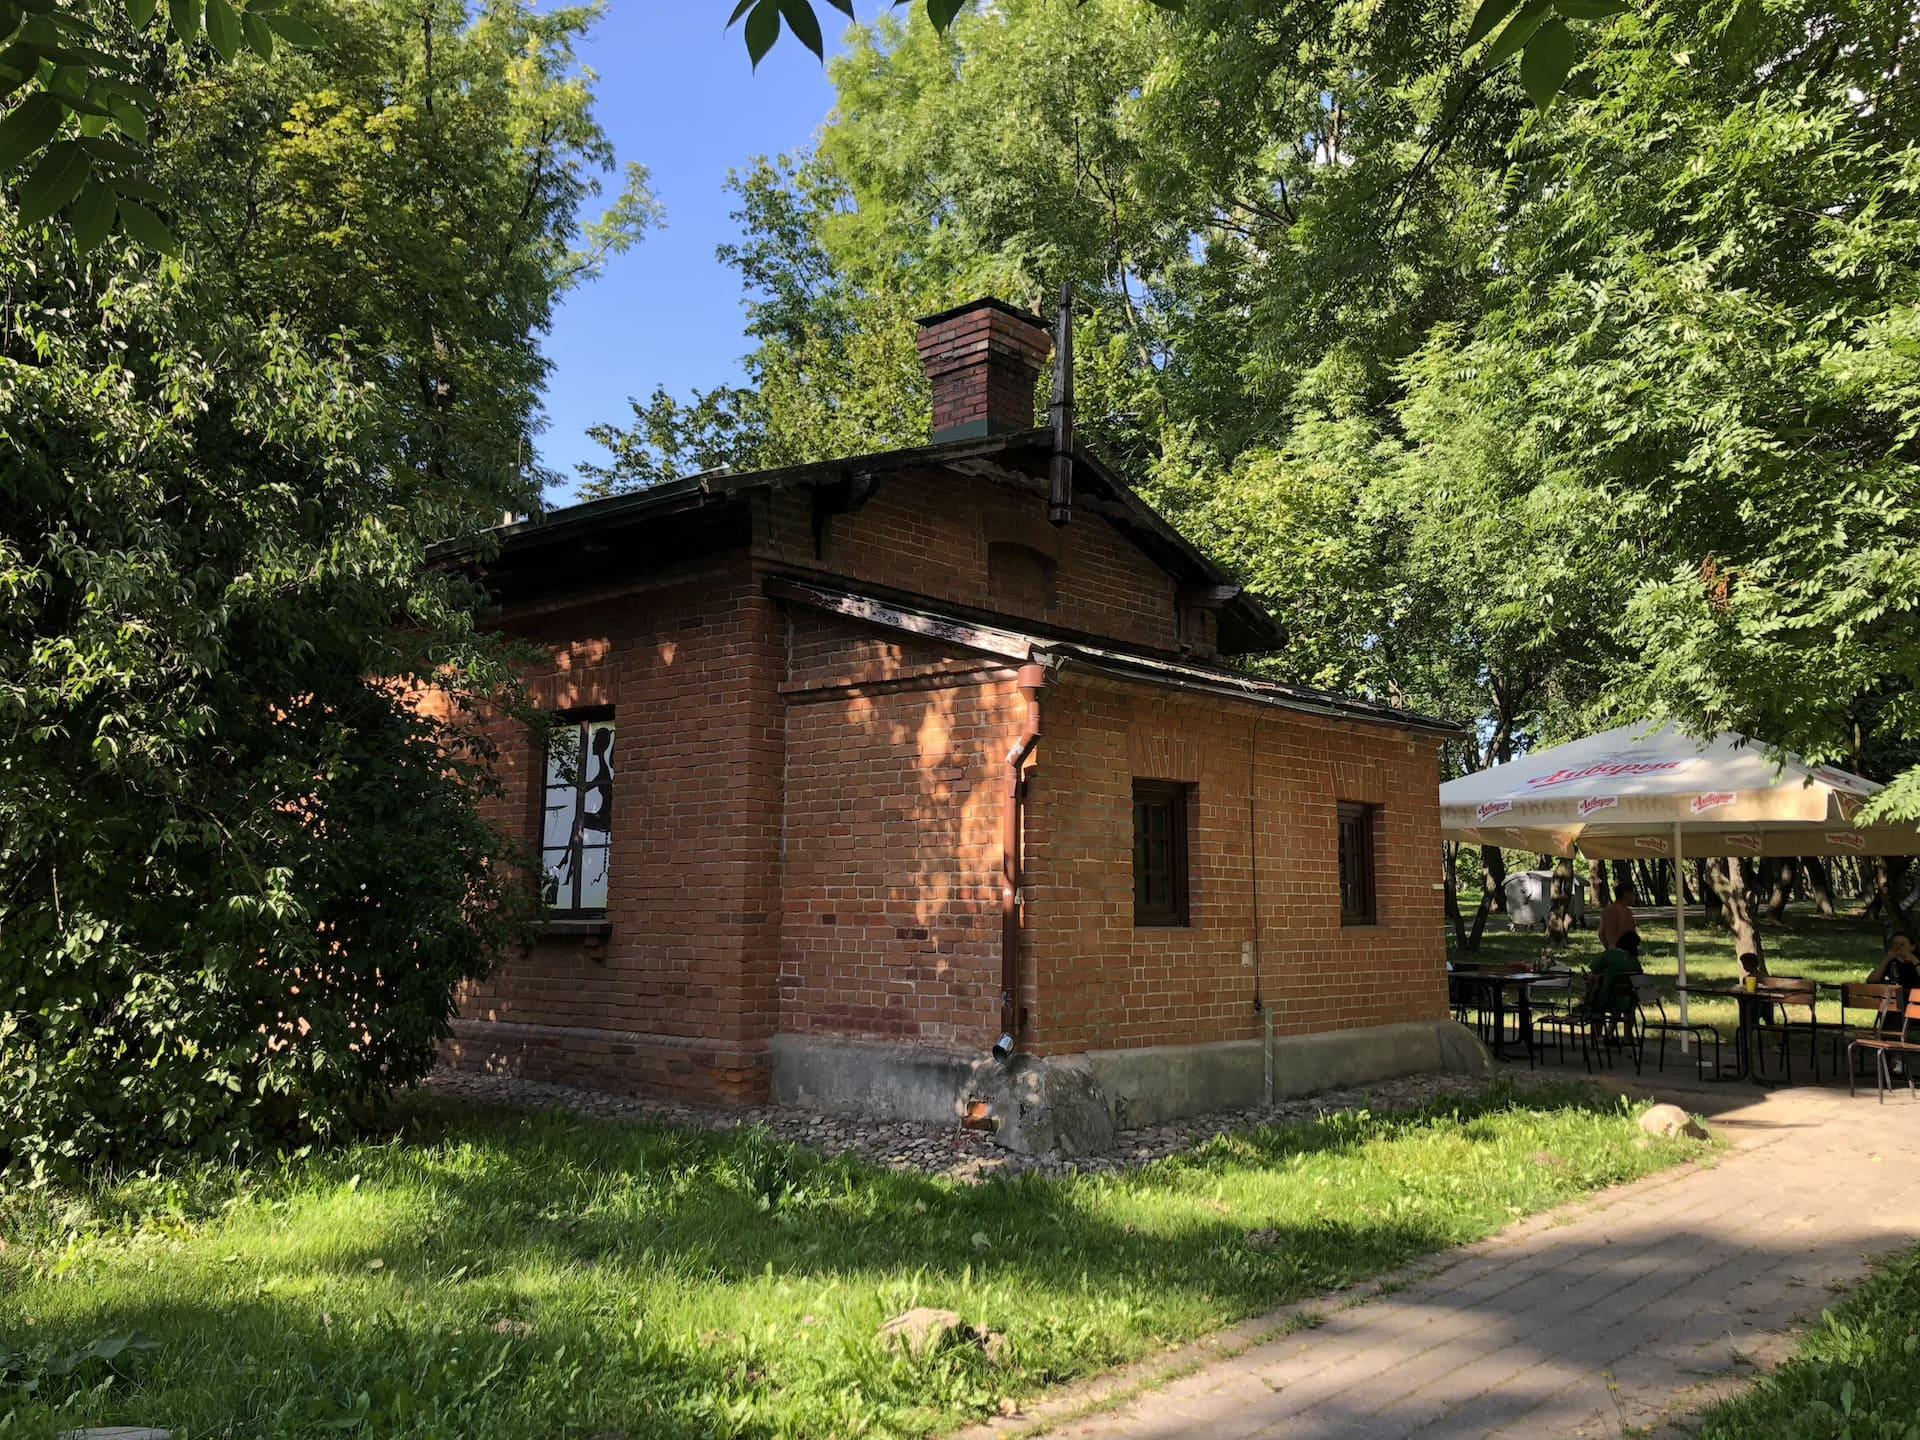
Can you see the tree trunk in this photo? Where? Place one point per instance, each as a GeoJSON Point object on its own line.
{"type": "Point", "coordinates": [1786, 874]}
{"type": "Point", "coordinates": [1730, 885]}
{"type": "Point", "coordinates": [1709, 897]}
{"type": "Point", "coordinates": [1657, 884]}
{"type": "Point", "coordinates": [1494, 861]}
{"type": "Point", "coordinates": [1889, 882]}
{"type": "Point", "coordinates": [1602, 892]}
{"type": "Point", "coordinates": [1815, 870]}
{"type": "Point", "coordinates": [1560, 893]}
{"type": "Point", "coordinates": [1472, 942]}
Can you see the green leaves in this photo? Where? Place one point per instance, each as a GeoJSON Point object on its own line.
{"type": "Point", "coordinates": [93, 216]}
{"type": "Point", "coordinates": [1490, 14]}
{"type": "Point", "coordinates": [210, 503]}
{"type": "Point", "coordinates": [62, 170]}
{"type": "Point", "coordinates": [69, 69]}
{"type": "Point", "coordinates": [1548, 59]}
{"type": "Point", "coordinates": [293, 29]}
{"type": "Point", "coordinates": [31, 125]}
{"type": "Point", "coordinates": [763, 28]}
{"type": "Point", "coordinates": [259, 37]}
{"type": "Point", "coordinates": [800, 19]}
{"type": "Point", "coordinates": [765, 17]}
{"type": "Point", "coordinates": [223, 28]}
{"type": "Point", "coordinates": [1537, 31]}
{"type": "Point", "coordinates": [147, 228]}
{"type": "Point", "coordinates": [185, 16]}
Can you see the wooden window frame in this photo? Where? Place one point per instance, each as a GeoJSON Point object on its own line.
{"type": "Point", "coordinates": [581, 723]}
{"type": "Point", "coordinates": [1359, 871]}
{"type": "Point", "coordinates": [1176, 797]}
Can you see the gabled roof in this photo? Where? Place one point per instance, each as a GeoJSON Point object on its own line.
{"type": "Point", "coordinates": [1025, 645]}
{"type": "Point", "coordinates": [1018, 460]}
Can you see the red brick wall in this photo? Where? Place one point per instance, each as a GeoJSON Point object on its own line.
{"type": "Point", "coordinates": [930, 534]}
{"type": "Point", "coordinates": [895, 766]}
{"type": "Point", "coordinates": [983, 366]}
{"type": "Point", "coordinates": [680, 996]}
{"type": "Point", "coordinates": [1093, 981]}
{"type": "Point", "coordinates": [807, 833]}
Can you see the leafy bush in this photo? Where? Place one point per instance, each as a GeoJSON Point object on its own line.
{"type": "Point", "coordinates": [242, 868]}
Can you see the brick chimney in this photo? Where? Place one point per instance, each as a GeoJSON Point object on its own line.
{"type": "Point", "coordinates": [984, 360]}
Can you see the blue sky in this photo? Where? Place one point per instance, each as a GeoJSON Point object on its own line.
{"type": "Point", "coordinates": [677, 94]}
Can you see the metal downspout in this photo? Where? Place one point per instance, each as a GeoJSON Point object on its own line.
{"type": "Point", "coordinates": [1032, 680]}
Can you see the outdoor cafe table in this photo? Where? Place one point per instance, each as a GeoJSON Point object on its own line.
{"type": "Point", "coordinates": [1748, 1034]}
{"type": "Point", "coordinates": [1499, 983]}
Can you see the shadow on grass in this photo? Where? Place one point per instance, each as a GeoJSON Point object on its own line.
{"type": "Point", "coordinates": [489, 1272]}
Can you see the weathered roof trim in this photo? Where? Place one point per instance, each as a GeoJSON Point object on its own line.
{"type": "Point", "coordinates": [1120, 664]}
{"type": "Point", "coordinates": [1126, 666]}
{"type": "Point", "coordinates": [1101, 490]}
{"type": "Point", "coordinates": [1007, 644]}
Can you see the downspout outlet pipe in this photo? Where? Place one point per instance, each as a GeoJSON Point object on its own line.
{"type": "Point", "coordinates": [1032, 680]}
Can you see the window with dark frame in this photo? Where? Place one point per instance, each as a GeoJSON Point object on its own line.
{"type": "Point", "coordinates": [1159, 852]}
{"type": "Point", "coordinates": [576, 821]}
{"type": "Point", "coordinates": [1359, 901]}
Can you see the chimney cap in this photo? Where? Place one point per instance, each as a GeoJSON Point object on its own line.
{"type": "Point", "coordinates": [985, 302]}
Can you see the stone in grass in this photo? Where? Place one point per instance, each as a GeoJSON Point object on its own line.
{"type": "Point", "coordinates": [1670, 1120]}
{"type": "Point", "coordinates": [118, 1432]}
{"type": "Point", "coordinates": [923, 1330]}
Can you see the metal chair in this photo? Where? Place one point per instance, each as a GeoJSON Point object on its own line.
{"type": "Point", "coordinates": [1862, 995]}
{"type": "Point", "coordinates": [1653, 1018]}
{"type": "Point", "coordinates": [1883, 1046]}
{"type": "Point", "coordinates": [1597, 1024]}
{"type": "Point", "coordinates": [1789, 993]}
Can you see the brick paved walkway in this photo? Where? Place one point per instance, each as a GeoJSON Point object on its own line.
{"type": "Point", "coordinates": [1633, 1305]}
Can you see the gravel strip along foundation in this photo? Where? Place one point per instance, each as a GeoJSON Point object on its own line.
{"type": "Point", "coordinates": [956, 1154]}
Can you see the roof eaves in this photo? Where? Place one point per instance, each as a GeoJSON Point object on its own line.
{"type": "Point", "coordinates": [1247, 610]}
{"type": "Point", "coordinates": [694, 490]}
{"type": "Point", "coordinates": [1127, 665]}
{"type": "Point", "coordinates": [1124, 664]}
{"type": "Point", "coordinates": [988, 639]}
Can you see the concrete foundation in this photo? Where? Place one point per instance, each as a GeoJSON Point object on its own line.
{"type": "Point", "coordinates": [1073, 1104]}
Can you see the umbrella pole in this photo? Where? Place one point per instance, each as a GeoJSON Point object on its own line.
{"type": "Point", "coordinates": [1680, 935]}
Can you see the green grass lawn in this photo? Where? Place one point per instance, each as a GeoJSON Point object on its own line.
{"type": "Point", "coordinates": [489, 1273]}
{"type": "Point", "coordinates": [1856, 1375]}
{"type": "Point", "coordinates": [1843, 948]}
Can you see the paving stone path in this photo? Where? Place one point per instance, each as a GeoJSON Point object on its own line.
{"type": "Point", "coordinates": [1617, 1314]}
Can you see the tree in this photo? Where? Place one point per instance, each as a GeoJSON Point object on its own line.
{"type": "Point", "coordinates": [1542, 418]}
{"type": "Point", "coordinates": [76, 71]}
{"type": "Point", "coordinates": [242, 864]}
{"type": "Point", "coordinates": [1703, 312]}
{"type": "Point", "coordinates": [1535, 33]}
{"type": "Point", "coordinates": [1243, 323]}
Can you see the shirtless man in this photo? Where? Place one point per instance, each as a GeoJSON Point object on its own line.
{"type": "Point", "coordinates": [1617, 919]}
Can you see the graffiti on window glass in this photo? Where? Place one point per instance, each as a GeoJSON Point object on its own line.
{"type": "Point", "coordinates": [576, 824]}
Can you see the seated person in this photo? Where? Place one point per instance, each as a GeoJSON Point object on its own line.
{"type": "Point", "coordinates": [1899, 967]}
{"type": "Point", "coordinates": [1617, 919]}
{"type": "Point", "coordinates": [1610, 980]}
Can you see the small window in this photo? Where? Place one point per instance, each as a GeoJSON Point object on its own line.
{"type": "Point", "coordinates": [576, 824]}
{"type": "Point", "coordinates": [1159, 853]}
{"type": "Point", "coordinates": [1359, 903]}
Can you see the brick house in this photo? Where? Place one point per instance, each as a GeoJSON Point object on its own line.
{"type": "Point", "coordinates": [878, 790]}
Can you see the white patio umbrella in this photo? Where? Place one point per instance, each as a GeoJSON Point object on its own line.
{"type": "Point", "coordinates": [1635, 792]}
